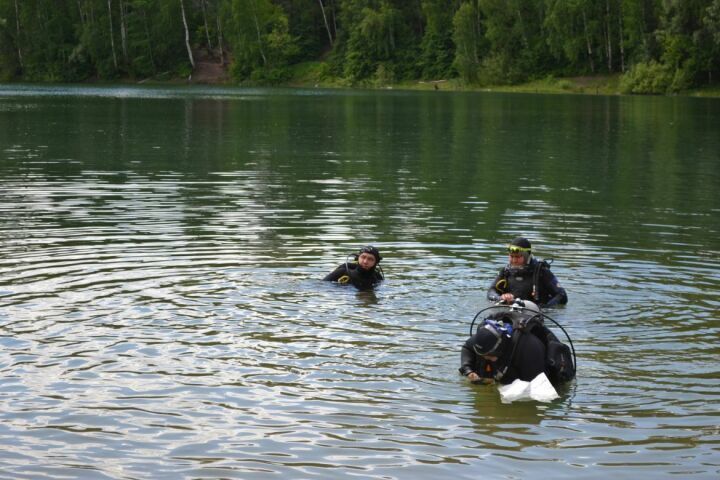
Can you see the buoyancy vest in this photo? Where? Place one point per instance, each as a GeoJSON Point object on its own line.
{"type": "Point", "coordinates": [519, 282]}
{"type": "Point", "coordinates": [559, 365]}
{"type": "Point", "coordinates": [361, 279]}
{"type": "Point", "coordinates": [524, 282]}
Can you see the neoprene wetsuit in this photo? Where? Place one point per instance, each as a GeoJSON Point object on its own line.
{"type": "Point", "coordinates": [520, 282]}
{"type": "Point", "coordinates": [352, 273]}
{"type": "Point", "coordinates": [526, 360]}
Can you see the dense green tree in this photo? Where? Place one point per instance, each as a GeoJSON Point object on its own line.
{"type": "Point", "coordinates": [10, 53]}
{"type": "Point", "coordinates": [640, 20]}
{"type": "Point", "coordinates": [44, 38]}
{"type": "Point", "coordinates": [688, 49]}
{"type": "Point", "coordinates": [310, 23]}
{"type": "Point", "coordinates": [659, 45]}
{"type": "Point", "coordinates": [469, 42]}
{"type": "Point", "coordinates": [569, 34]}
{"type": "Point", "coordinates": [436, 48]}
{"type": "Point", "coordinates": [260, 39]}
{"type": "Point", "coordinates": [379, 40]}
{"type": "Point", "coordinates": [513, 29]}
{"type": "Point", "coordinates": [711, 26]}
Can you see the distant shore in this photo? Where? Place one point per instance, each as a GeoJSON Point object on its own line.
{"type": "Point", "coordinates": [585, 85]}
{"type": "Point", "coordinates": [308, 78]}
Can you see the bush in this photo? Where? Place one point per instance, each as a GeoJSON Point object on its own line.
{"type": "Point", "coordinates": [492, 71]}
{"type": "Point", "coordinates": [384, 75]}
{"type": "Point", "coordinates": [683, 78]}
{"type": "Point", "coordinates": [270, 75]}
{"type": "Point", "coordinates": [651, 78]}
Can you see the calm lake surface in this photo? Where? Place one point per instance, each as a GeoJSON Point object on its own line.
{"type": "Point", "coordinates": [162, 314]}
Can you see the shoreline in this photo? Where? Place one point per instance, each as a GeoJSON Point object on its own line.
{"type": "Point", "coordinates": [586, 85]}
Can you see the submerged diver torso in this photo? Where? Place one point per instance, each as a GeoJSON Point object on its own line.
{"type": "Point", "coordinates": [364, 273]}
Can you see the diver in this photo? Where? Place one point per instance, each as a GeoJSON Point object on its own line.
{"type": "Point", "coordinates": [514, 344]}
{"type": "Point", "coordinates": [526, 278]}
{"type": "Point", "coordinates": [363, 272]}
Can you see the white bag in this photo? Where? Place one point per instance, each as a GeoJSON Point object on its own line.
{"type": "Point", "coordinates": [539, 389]}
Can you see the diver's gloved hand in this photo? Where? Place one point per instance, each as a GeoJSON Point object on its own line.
{"type": "Point", "coordinates": [475, 378]}
{"type": "Point", "coordinates": [507, 298]}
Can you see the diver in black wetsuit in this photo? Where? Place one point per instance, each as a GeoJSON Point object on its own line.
{"type": "Point", "coordinates": [481, 358]}
{"type": "Point", "coordinates": [526, 278]}
{"type": "Point", "coordinates": [363, 273]}
{"type": "Point", "coordinates": [495, 354]}
{"type": "Point", "coordinates": [513, 343]}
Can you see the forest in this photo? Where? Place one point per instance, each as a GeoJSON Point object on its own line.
{"type": "Point", "coordinates": [655, 46]}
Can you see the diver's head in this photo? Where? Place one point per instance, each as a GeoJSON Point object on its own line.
{"type": "Point", "coordinates": [368, 257]}
{"type": "Point", "coordinates": [520, 252]}
{"type": "Point", "coordinates": [490, 341]}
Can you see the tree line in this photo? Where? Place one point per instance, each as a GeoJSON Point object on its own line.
{"type": "Point", "coordinates": [658, 46]}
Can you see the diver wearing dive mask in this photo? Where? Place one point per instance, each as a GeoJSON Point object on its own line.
{"type": "Point", "coordinates": [526, 278]}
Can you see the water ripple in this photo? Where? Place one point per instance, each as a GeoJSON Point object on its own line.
{"type": "Point", "coordinates": [168, 319]}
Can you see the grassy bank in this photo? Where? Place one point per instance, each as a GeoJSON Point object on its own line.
{"type": "Point", "coordinates": [314, 74]}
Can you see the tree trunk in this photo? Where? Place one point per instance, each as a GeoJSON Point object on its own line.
{"type": "Point", "coordinates": [259, 36]}
{"type": "Point", "coordinates": [526, 44]}
{"type": "Point", "coordinates": [327, 27]}
{"type": "Point", "coordinates": [187, 35]}
{"type": "Point", "coordinates": [80, 10]}
{"type": "Point", "coordinates": [17, 26]}
{"type": "Point", "coordinates": [112, 35]}
{"type": "Point", "coordinates": [334, 17]}
{"type": "Point", "coordinates": [588, 44]}
{"type": "Point", "coordinates": [123, 33]}
{"type": "Point", "coordinates": [622, 43]}
{"type": "Point", "coordinates": [207, 30]}
{"type": "Point", "coordinates": [608, 36]}
{"type": "Point", "coordinates": [220, 39]}
{"type": "Point", "coordinates": [149, 40]}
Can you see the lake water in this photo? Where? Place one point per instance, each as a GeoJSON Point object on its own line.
{"type": "Point", "coordinates": [162, 314]}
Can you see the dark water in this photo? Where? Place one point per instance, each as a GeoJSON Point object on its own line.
{"type": "Point", "coordinates": [162, 314]}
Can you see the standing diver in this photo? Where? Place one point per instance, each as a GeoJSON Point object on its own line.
{"type": "Point", "coordinates": [363, 272]}
{"type": "Point", "coordinates": [526, 278]}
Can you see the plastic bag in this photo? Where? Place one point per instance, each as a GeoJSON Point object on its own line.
{"type": "Point", "coordinates": [539, 389]}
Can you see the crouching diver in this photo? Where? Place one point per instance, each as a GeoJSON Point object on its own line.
{"type": "Point", "coordinates": [363, 271]}
{"type": "Point", "coordinates": [513, 343]}
{"type": "Point", "coordinates": [526, 278]}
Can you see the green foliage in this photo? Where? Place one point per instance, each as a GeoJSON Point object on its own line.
{"type": "Point", "coordinates": [567, 34]}
{"type": "Point", "coordinates": [384, 75]}
{"type": "Point", "coordinates": [262, 44]}
{"type": "Point", "coordinates": [8, 56]}
{"type": "Point", "coordinates": [663, 45]}
{"type": "Point", "coordinates": [306, 25]}
{"type": "Point", "coordinates": [468, 41]}
{"type": "Point", "coordinates": [508, 28]}
{"type": "Point", "coordinates": [711, 21]}
{"type": "Point", "coordinates": [379, 33]}
{"type": "Point", "coordinates": [647, 78]}
{"type": "Point", "coordinates": [436, 48]}
{"type": "Point", "coordinates": [372, 40]}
